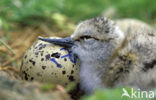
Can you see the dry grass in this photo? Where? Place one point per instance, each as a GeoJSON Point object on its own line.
{"type": "Point", "coordinates": [12, 50]}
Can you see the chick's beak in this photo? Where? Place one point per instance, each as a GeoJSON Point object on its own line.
{"type": "Point", "coordinates": [66, 42]}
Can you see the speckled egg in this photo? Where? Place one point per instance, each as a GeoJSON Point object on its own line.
{"type": "Point", "coordinates": [49, 63]}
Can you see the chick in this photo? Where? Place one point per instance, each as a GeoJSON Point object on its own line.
{"type": "Point", "coordinates": [132, 25]}
{"type": "Point", "coordinates": [110, 57]}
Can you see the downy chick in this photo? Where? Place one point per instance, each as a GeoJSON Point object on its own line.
{"type": "Point", "coordinates": [111, 57]}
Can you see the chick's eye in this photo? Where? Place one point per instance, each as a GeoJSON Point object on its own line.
{"type": "Point", "coordinates": [85, 37]}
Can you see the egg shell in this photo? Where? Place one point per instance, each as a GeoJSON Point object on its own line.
{"type": "Point", "coordinates": [49, 63]}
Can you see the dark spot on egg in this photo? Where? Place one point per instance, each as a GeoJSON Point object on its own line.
{"type": "Point", "coordinates": [33, 62]}
{"type": "Point", "coordinates": [40, 48]}
{"type": "Point", "coordinates": [43, 67]}
{"type": "Point", "coordinates": [44, 45]}
{"type": "Point", "coordinates": [36, 53]}
{"type": "Point", "coordinates": [25, 75]}
{"type": "Point", "coordinates": [63, 72]}
{"type": "Point", "coordinates": [73, 65]}
{"type": "Point", "coordinates": [25, 56]}
{"type": "Point", "coordinates": [65, 59]}
{"type": "Point", "coordinates": [27, 69]}
{"type": "Point", "coordinates": [32, 78]}
{"type": "Point", "coordinates": [47, 56]}
{"type": "Point", "coordinates": [56, 55]}
{"type": "Point", "coordinates": [41, 53]}
{"type": "Point", "coordinates": [72, 71]}
{"type": "Point", "coordinates": [42, 59]}
{"type": "Point", "coordinates": [59, 65]}
{"type": "Point", "coordinates": [71, 78]}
